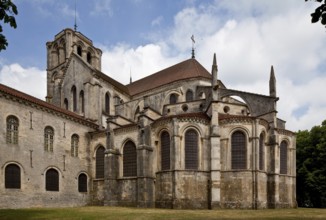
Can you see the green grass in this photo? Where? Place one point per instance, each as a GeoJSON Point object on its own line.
{"type": "Point", "coordinates": [118, 213]}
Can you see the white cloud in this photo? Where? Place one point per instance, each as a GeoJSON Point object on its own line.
{"type": "Point", "coordinates": [157, 21]}
{"type": "Point", "coordinates": [248, 37]}
{"type": "Point", "coordinates": [122, 59]}
{"type": "Point", "coordinates": [102, 7]}
{"type": "Point", "coordinates": [28, 80]}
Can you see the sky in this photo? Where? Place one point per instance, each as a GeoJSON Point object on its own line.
{"type": "Point", "coordinates": [141, 37]}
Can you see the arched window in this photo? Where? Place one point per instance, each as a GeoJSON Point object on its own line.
{"type": "Point", "coordinates": [283, 157]}
{"type": "Point", "coordinates": [107, 103]}
{"type": "Point", "coordinates": [189, 96]}
{"type": "Point", "coordinates": [239, 150]}
{"type": "Point", "coordinates": [74, 98]}
{"type": "Point", "coordinates": [89, 58]}
{"type": "Point", "coordinates": [82, 101]}
{"type": "Point", "coordinates": [100, 162]}
{"type": "Point", "coordinates": [82, 183]}
{"type": "Point", "coordinates": [129, 159]}
{"type": "Point", "coordinates": [165, 151]}
{"type": "Point", "coordinates": [261, 151]}
{"type": "Point", "coordinates": [12, 176]}
{"type": "Point", "coordinates": [65, 103]}
{"type": "Point", "coordinates": [74, 145]}
{"type": "Point", "coordinates": [79, 50]}
{"type": "Point", "coordinates": [48, 138]}
{"type": "Point", "coordinates": [173, 99]}
{"type": "Point", "coordinates": [52, 180]}
{"type": "Point", "coordinates": [191, 149]}
{"type": "Point", "coordinates": [12, 130]}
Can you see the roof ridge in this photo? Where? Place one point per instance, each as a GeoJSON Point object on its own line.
{"type": "Point", "coordinates": [29, 98]}
{"type": "Point", "coordinates": [186, 69]}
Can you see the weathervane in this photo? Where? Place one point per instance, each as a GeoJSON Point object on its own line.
{"type": "Point", "coordinates": [193, 47]}
{"type": "Point", "coordinates": [75, 25]}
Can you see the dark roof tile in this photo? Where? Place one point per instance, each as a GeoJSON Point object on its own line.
{"type": "Point", "coordinates": [187, 69]}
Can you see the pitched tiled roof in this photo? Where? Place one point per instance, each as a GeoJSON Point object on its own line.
{"type": "Point", "coordinates": [113, 82]}
{"type": "Point", "coordinates": [185, 70]}
{"type": "Point", "coordinates": [31, 99]}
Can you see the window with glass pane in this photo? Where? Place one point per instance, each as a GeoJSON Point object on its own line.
{"type": "Point", "coordinates": [12, 130]}
{"type": "Point", "coordinates": [165, 151]}
{"type": "Point", "coordinates": [191, 149]}
{"type": "Point", "coordinates": [100, 162]}
{"type": "Point", "coordinates": [12, 176]}
{"type": "Point", "coordinates": [52, 180]}
{"type": "Point", "coordinates": [283, 157]}
{"type": "Point", "coordinates": [48, 139]}
{"type": "Point", "coordinates": [129, 159]}
{"type": "Point", "coordinates": [74, 145]}
{"type": "Point", "coordinates": [261, 151]}
{"type": "Point", "coordinates": [238, 150]}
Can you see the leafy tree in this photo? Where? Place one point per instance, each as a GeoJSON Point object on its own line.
{"type": "Point", "coordinates": [311, 169]}
{"type": "Point", "coordinates": [7, 12]}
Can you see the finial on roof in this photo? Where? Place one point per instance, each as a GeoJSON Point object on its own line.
{"type": "Point", "coordinates": [130, 76]}
{"type": "Point", "coordinates": [75, 25]}
{"type": "Point", "coordinates": [193, 47]}
{"type": "Point", "coordinates": [272, 83]}
{"type": "Point", "coordinates": [214, 73]}
{"type": "Point", "coordinates": [214, 60]}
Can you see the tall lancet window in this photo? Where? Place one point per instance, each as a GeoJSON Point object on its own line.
{"type": "Point", "coordinates": [48, 138]}
{"type": "Point", "coordinates": [129, 159]}
{"type": "Point", "coordinates": [82, 101]}
{"type": "Point", "coordinates": [238, 150]}
{"type": "Point", "coordinates": [191, 149]}
{"type": "Point", "coordinates": [74, 145]}
{"type": "Point", "coordinates": [12, 130]}
{"type": "Point", "coordinates": [283, 157]}
{"type": "Point", "coordinates": [99, 166]}
{"type": "Point", "coordinates": [165, 151]}
{"type": "Point", "coordinates": [107, 102]}
{"type": "Point", "coordinates": [261, 151]}
{"type": "Point", "coordinates": [74, 98]}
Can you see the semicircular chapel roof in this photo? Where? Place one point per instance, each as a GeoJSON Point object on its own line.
{"type": "Point", "coordinates": [187, 69]}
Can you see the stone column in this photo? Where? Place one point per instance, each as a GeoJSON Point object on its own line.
{"type": "Point", "coordinates": [215, 185]}
{"type": "Point", "coordinates": [145, 179]}
{"type": "Point", "coordinates": [175, 158]}
{"type": "Point", "coordinates": [111, 167]}
{"type": "Point", "coordinates": [255, 163]}
{"type": "Point", "coordinates": [273, 171]}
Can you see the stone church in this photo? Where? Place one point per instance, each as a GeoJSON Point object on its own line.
{"type": "Point", "coordinates": [178, 138]}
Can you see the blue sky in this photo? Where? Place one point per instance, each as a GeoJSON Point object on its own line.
{"type": "Point", "coordinates": [144, 36]}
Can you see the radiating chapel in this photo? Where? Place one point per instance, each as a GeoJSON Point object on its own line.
{"type": "Point", "coordinates": [178, 138]}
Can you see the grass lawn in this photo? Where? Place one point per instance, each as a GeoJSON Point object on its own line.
{"type": "Point", "coordinates": [139, 213]}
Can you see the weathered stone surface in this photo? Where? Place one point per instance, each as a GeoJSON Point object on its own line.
{"type": "Point", "coordinates": [105, 114]}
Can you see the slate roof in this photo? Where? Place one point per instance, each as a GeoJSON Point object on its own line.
{"type": "Point", "coordinates": [187, 69]}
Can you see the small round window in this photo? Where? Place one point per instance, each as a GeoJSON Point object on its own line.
{"type": "Point", "coordinates": [226, 109]}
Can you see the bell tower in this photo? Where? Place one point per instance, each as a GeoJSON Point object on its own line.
{"type": "Point", "coordinates": [66, 44]}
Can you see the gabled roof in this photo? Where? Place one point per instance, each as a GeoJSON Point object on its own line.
{"type": "Point", "coordinates": [113, 82]}
{"type": "Point", "coordinates": [187, 69]}
{"type": "Point", "coordinates": [31, 99]}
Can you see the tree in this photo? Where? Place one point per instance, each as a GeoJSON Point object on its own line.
{"type": "Point", "coordinates": [311, 170]}
{"type": "Point", "coordinates": [7, 12]}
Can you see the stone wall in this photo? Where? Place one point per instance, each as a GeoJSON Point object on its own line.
{"type": "Point", "coordinates": [34, 161]}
